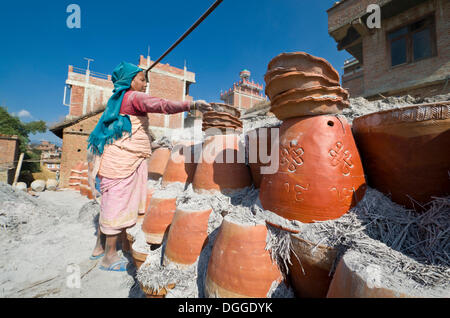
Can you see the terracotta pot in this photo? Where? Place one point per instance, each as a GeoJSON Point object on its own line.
{"type": "Point", "coordinates": [179, 169]}
{"type": "Point", "coordinates": [224, 115]}
{"type": "Point", "coordinates": [187, 236]}
{"type": "Point", "coordinates": [138, 257]}
{"type": "Point", "coordinates": [158, 162]}
{"type": "Point", "coordinates": [304, 62]}
{"type": "Point", "coordinates": [219, 107]}
{"type": "Point", "coordinates": [320, 176]}
{"type": "Point", "coordinates": [239, 265]}
{"type": "Point", "coordinates": [147, 202]}
{"type": "Point", "coordinates": [404, 154]}
{"type": "Point", "coordinates": [300, 80]}
{"type": "Point", "coordinates": [158, 219]}
{"type": "Point", "coordinates": [308, 106]}
{"type": "Point", "coordinates": [257, 153]}
{"type": "Point", "coordinates": [353, 280]}
{"type": "Point", "coordinates": [161, 293]}
{"type": "Point", "coordinates": [223, 126]}
{"type": "Point", "coordinates": [214, 173]}
{"type": "Point", "coordinates": [317, 261]}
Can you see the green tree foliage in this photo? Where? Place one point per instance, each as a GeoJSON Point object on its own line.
{"type": "Point", "coordinates": [11, 125]}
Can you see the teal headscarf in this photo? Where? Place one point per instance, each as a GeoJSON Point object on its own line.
{"type": "Point", "coordinates": [111, 125]}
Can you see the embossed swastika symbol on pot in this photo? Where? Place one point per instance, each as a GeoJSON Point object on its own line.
{"type": "Point", "coordinates": [292, 156]}
{"type": "Point", "coordinates": [339, 156]}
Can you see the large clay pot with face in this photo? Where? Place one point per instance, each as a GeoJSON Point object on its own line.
{"type": "Point", "coordinates": [181, 166]}
{"type": "Point", "coordinates": [296, 80]}
{"type": "Point", "coordinates": [187, 236]}
{"type": "Point", "coordinates": [223, 167]}
{"type": "Point", "coordinates": [158, 162]}
{"type": "Point", "coordinates": [159, 217]}
{"type": "Point", "coordinates": [320, 176]}
{"type": "Point", "coordinates": [259, 150]}
{"type": "Point", "coordinates": [239, 265]}
{"type": "Point", "coordinates": [310, 277]}
{"type": "Point", "coordinates": [303, 62]}
{"type": "Point", "coordinates": [406, 152]}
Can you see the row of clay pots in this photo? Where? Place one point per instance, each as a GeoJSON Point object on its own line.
{"type": "Point", "coordinates": [299, 84]}
{"type": "Point", "coordinates": [403, 152]}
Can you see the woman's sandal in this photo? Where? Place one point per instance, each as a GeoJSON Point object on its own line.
{"type": "Point", "coordinates": [122, 268]}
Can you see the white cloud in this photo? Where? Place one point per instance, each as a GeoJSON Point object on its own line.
{"type": "Point", "coordinates": [24, 113]}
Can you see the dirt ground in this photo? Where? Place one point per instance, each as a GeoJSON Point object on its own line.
{"type": "Point", "coordinates": [52, 260]}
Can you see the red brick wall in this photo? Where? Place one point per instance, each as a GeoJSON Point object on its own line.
{"type": "Point", "coordinates": [354, 83]}
{"type": "Point", "coordinates": [9, 152]}
{"type": "Point", "coordinates": [380, 77]}
{"type": "Point", "coordinates": [74, 148]}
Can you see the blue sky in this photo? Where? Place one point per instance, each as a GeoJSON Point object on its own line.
{"type": "Point", "coordinates": [37, 46]}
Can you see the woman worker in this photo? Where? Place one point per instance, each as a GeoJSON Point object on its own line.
{"type": "Point", "coordinates": [121, 145]}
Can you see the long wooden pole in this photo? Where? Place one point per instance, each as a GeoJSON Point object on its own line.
{"type": "Point", "coordinates": [19, 167]}
{"type": "Point", "coordinates": [203, 17]}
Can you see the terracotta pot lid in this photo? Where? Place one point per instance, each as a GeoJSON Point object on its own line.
{"type": "Point", "coordinates": [306, 62]}
{"type": "Point", "coordinates": [309, 106]}
{"type": "Point", "coordinates": [315, 91]}
{"type": "Point", "coordinates": [222, 115]}
{"type": "Point", "coordinates": [219, 107]}
{"type": "Point", "coordinates": [219, 121]}
{"type": "Point", "coordinates": [285, 82]}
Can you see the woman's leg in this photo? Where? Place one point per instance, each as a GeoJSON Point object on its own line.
{"type": "Point", "coordinates": [126, 248]}
{"type": "Point", "coordinates": [98, 249]}
{"type": "Point", "coordinates": [111, 255]}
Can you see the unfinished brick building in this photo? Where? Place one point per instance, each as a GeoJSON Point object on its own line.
{"type": "Point", "coordinates": [244, 94]}
{"type": "Point", "coordinates": [9, 154]}
{"type": "Point", "coordinates": [85, 110]}
{"type": "Point", "coordinates": [409, 54]}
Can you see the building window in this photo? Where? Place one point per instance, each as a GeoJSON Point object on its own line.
{"type": "Point", "coordinates": [413, 42]}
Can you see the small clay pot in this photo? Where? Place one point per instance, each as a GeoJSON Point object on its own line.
{"type": "Point", "coordinates": [256, 140]}
{"type": "Point", "coordinates": [300, 80]}
{"type": "Point", "coordinates": [239, 265]}
{"type": "Point", "coordinates": [308, 106]}
{"type": "Point", "coordinates": [138, 257]}
{"type": "Point", "coordinates": [219, 119]}
{"type": "Point", "coordinates": [223, 115]}
{"type": "Point", "coordinates": [304, 62]}
{"type": "Point", "coordinates": [317, 260]}
{"type": "Point", "coordinates": [181, 166]}
{"type": "Point", "coordinates": [219, 107]}
{"type": "Point", "coordinates": [187, 236]}
{"type": "Point", "coordinates": [214, 174]}
{"type": "Point", "coordinates": [320, 175]}
{"type": "Point", "coordinates": [158, 162]}
{"type": "Point", "coordinates": [158, 219]}
{"type": "Point", "coordinates": [161, 293]}
{"type": "Point", "coordinates": [354, 280]}
{"type": "Point", "coordinates": [404, 154]}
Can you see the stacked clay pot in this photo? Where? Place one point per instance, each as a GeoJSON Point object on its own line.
{"type": "Point", "coordinates": [239, 265]}
{"type": "Point", "coordinates": [224, 118]}
{"type": "Point", "coordinates": [214, 173]}
{"type": "Point", "coordinates": [158, 162]}
{"type": "Point", "coordinates": [180, 166]}
{"type": "Point", "coordinates": [74, 178]}
{"type": "Point", "coordinates": [320, 175]}
{"type": "Point", "coordinates": [147, 204]}
{"type": "Point", "coordinates": [187, 236]}
{"type": "Point", "coordinates": [159, 217]}
{"type": "Point", "coordinates": [406, 152]}
{"type": "Point", "coordinates": [299, 84]}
